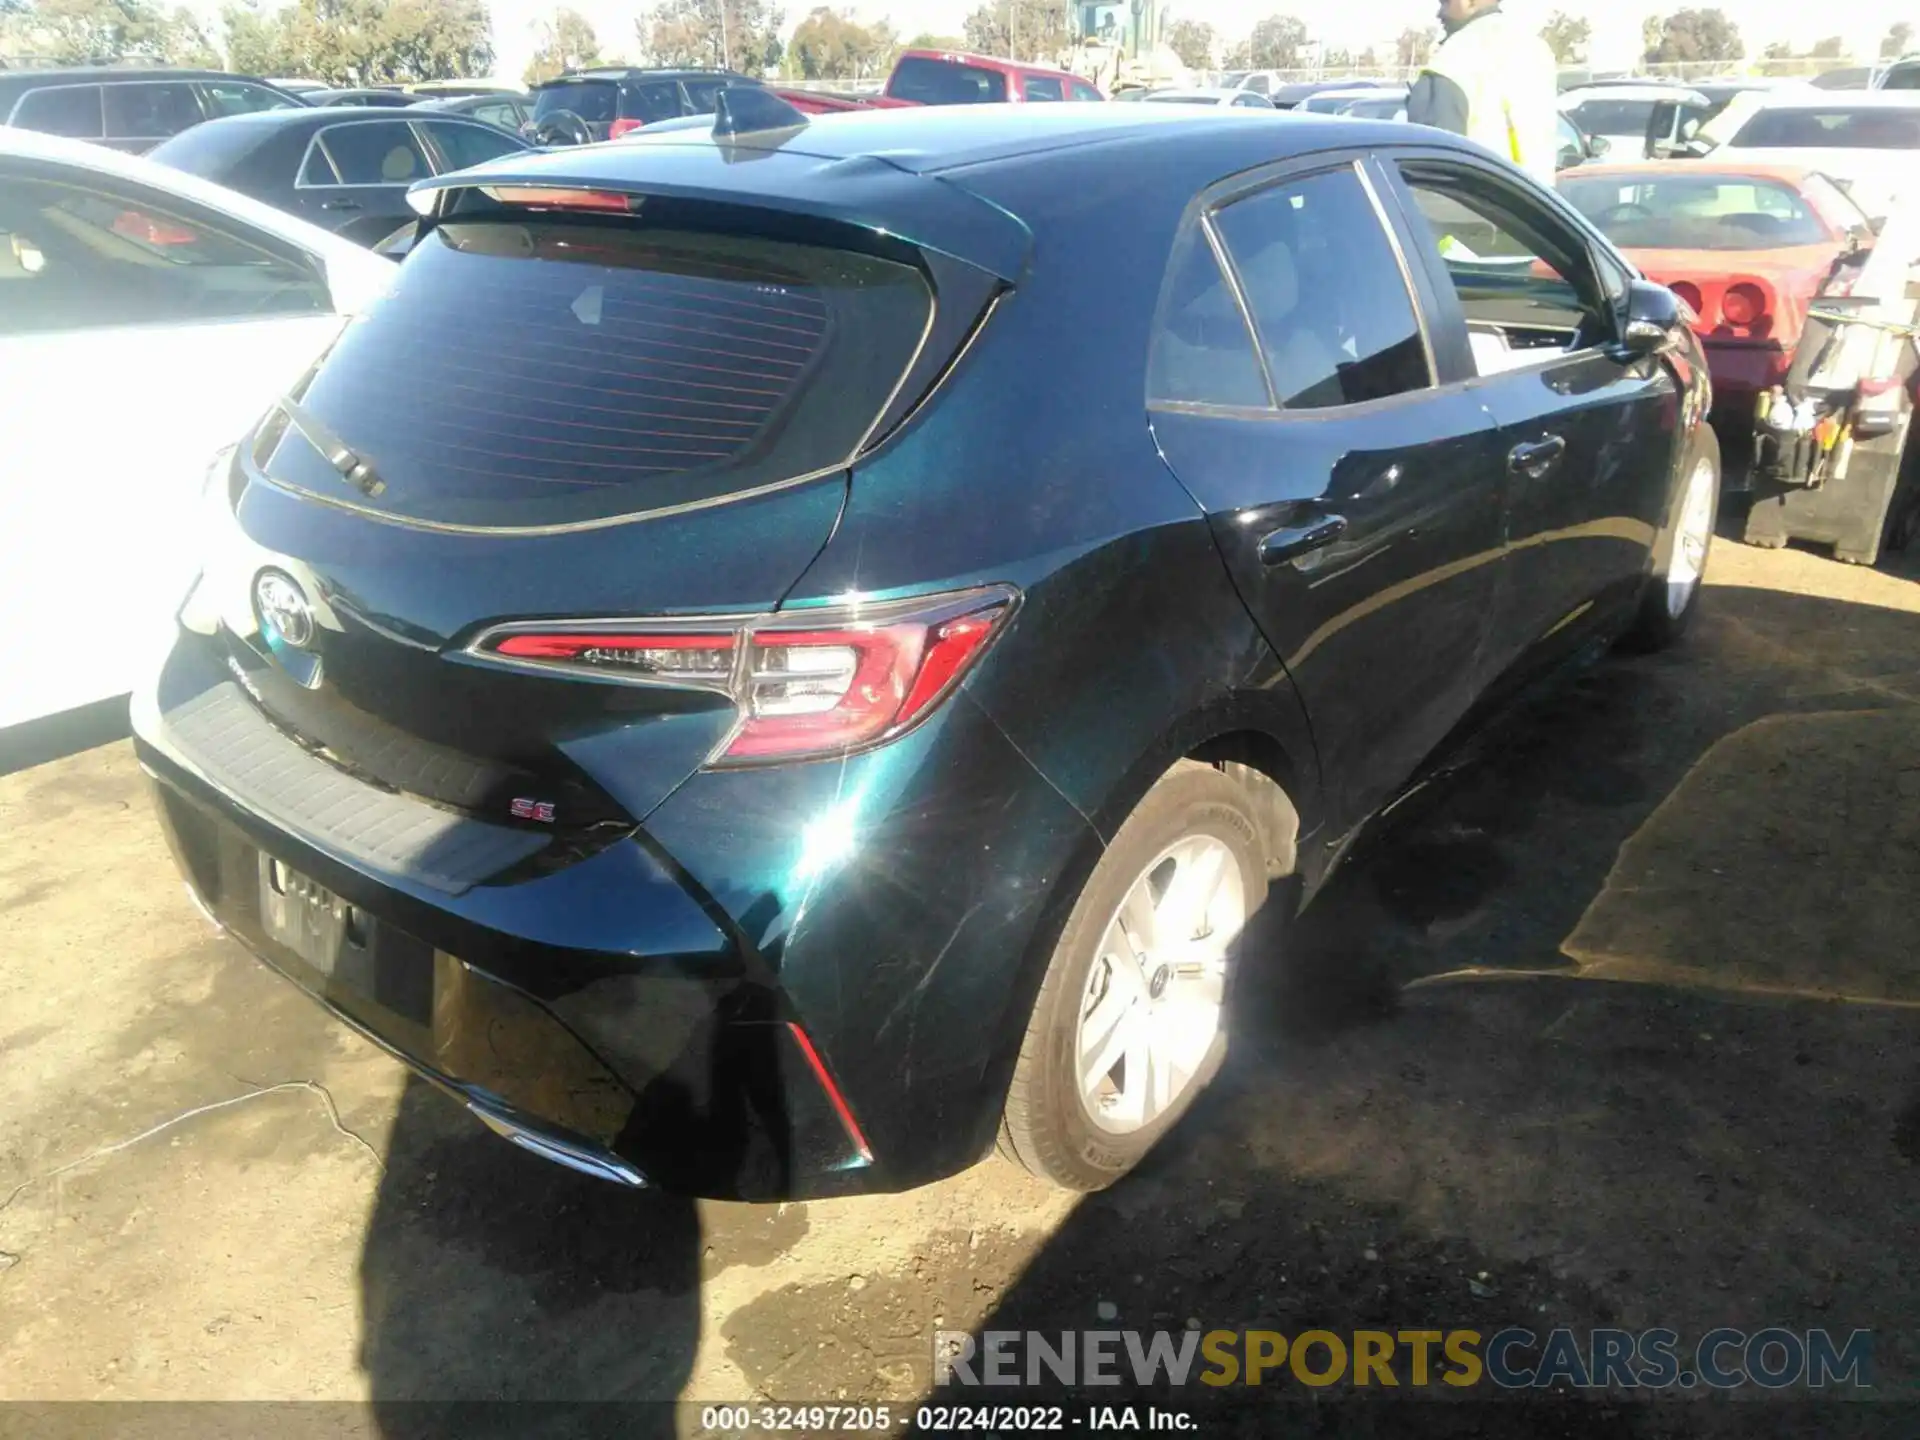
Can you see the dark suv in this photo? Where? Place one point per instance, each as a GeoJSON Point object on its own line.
{"type": "Point", "coordinates": [773, 663]}
{"type": "Point", "coordinates": [583, 106]}
{"type": "Point", "coordinates": [129, 109]}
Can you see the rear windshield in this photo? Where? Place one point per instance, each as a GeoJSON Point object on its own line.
{"type": "Point", "coordinates": [595, 101]}
{"type": "Point", "coordinates": [1614, 117]}
{"type": "Point", "coordinates": [1694, 212]}
{"type": "Point", "coordinates": [945, 82]}
{"type": "Point", "coordinates": [1840, 127]}
{"type": "Point", "coordinates": [549, 373]}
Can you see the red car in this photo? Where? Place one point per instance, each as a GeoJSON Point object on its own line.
{"type": "Point", "coordinates": [1746, 246]}
{"type": "Point", "coordinates": [938, 77]}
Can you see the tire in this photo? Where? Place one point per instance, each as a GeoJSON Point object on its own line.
{"type": "Point", "coordinates": [1668, 602]}
{"type": "Point", "coordinates": [1194, 822]}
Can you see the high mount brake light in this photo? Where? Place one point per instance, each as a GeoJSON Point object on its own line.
{"type": "Point", "coordinates": [814, 683]}
{"type": "Point", "coordinates": [546, 197]}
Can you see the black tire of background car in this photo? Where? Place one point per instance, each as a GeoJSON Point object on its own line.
{"type": "Point", "coordinates": [1656, 627]}
{"type": "Point", "coordinates": [1045, 1127]}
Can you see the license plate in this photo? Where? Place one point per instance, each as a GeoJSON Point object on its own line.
{"type": "Point", "coordinates": [325, 931]}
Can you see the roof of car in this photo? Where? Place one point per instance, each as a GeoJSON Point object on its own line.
{"type": "Point", "coordinates": [23, 80]}
{"type": "Point", "coordinates": [1711, 166]}
{"type": "Point", "coordinates": [1360, 92]}
{"type": "Point", "coordinates": [637, 72]}
{"type": "Point", "coordinates": [967, 57]}
{"type": "Point", "coordinates": [1198, 92]}
{"type": "Point", "coordinates": [1648, 90]}
{"type": "Point", "coordinates": [1811, 99]}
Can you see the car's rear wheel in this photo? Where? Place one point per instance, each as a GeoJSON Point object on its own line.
{"type": "Point", "coordinates": [1130, 1023]}
{"type": "Point", "coordinates": [1673, 592]}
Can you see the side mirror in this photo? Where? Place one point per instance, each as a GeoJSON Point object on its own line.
{"type": "Point", "coordinates": [1599, 146]}
{"type": "Point", "coordinates": [1652, 317]}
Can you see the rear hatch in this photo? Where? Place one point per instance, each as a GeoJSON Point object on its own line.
{"type": "Point", "coordinates": [563, 415]}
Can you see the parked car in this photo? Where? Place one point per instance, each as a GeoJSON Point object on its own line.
{"type": "Point", "coordinates": [1576, 146]}
{"type": "Point", "coordinates": [1623, 114]}
{"type": "Point", "coordinates": [1747, 247]}
{"type": "Point", "coordinates": [298, 87]}
{"type": "Point", "coordinates": [1364, 102]}
{"type": "Point", "coordinates": [346, 170]}
{"type": "Point", "coordinates": [508, 111]}
{"type": "Point", "coordinates": [936, 77]}
{"type": "Point", "coordinates": [146, 319]}
{"type": "Point", "coordinates": [794, 751]}
{"type": "Point", "coordinates": [1291, 96]}
{"type": "Point", "coordinates": [583, 106]}
{"type": "Point", "coordinates": [373, 97]}
{"type": "Point", "coordinates": [1869, 143]}
{"type": "Point", "coordinates": [1243, 99]}
{"type": "Point", "coordinates": [463, 89]}
{"type": "Point", "coordinates": [1902, 74]}
{"type": "Point", "coordinates": [129, 109]}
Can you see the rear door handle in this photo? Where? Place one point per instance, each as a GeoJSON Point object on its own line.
{"type": "Point", "coordinates": [1284, 544]}
{"type": "Point", "coordinates": [339, 204]}
{"type": "Point", "coordinates": [1536, 458]}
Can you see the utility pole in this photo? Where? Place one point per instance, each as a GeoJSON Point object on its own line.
{"type": "Point", "coordinates": [726, 50]}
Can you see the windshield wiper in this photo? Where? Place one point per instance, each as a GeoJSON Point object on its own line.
{"type": "Point", "coordinates": [353, 467]}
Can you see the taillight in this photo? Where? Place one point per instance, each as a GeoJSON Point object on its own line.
{"type": "Point", "coordinates": [1742, 304]}
{"type": "Point", "coordinates": [815, 682]}
{"type": "Point", "coordinates": [625, 125]}
{"type": "Point", "coordinates": [554, 197]}
{"type": "Point", "coordinates": [1689, 296]}
{"type": "Point", "coordinates": [151, 230]}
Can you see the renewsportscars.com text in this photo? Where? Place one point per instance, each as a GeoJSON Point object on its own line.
{"type": "Point", "coordinates": [1515, 1358]}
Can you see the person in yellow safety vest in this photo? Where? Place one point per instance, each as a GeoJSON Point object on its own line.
{"type": "Point", "coordinates": [1491, 80]}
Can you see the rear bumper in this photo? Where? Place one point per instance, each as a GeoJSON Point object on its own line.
{"type": "Point", "coordinates": [796, 1021]}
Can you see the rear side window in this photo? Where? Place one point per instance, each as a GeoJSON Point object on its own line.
{"type": "Point", "coordinates": [595, 101]}
{"type": "Point", "coordinates": [659, 100]}
{"type": "Point", "coordinates": [234, 97]}
{"type": "Point", "coordinates": [1036, 87]}
{"type": "Point", "coordinates": [378, 152]}
{"type": "Point", "coordinates": [1840, 128]}
{"type": "Point", "coordinates": [1328, 299]}
{"type": "Point", "coordinates": [560, 372]}
{"type": "Point", "coordinates": [942, 82]}
{"type": "Point", "coordinates": [150, 112]}
{"type": "Point", "coordinates": [95, 254]}
{"type": "Point", "coordinates": [62, 110]}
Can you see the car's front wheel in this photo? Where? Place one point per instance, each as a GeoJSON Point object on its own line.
{"type": "Point", "coordinates": [1673, 591]}
{"type": "Point", "coordinates": [1130, 1021]}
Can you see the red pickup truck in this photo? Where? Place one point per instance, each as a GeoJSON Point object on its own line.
{"type": "Point", "coordinates": [936, 77]}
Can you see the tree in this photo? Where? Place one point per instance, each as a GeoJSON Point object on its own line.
{"type": "Point", "coordinates": [832, 45]}
{"type": "Point", "coordinates": [1192, 41]}
{"type": "Point", "coordinates": [1831, 48]}
{"type": "Point", "coordinates": [1899, 40]}
{"type": "Point", "coordinates": [1414, 48]}
{"type": "Point", "coordinates": [1278, 42]}
{"type": "Point", "coordinates": [76, 31]}
{"type": "Point", "coordinates": [927, 40]}
{"type": "Point", "coordinates": [1019, 28]}
{"type": "Point", "coordinates": [567, 43]}
{"type": "Point", "coordinates": [361, 42]}
{"type": "Point", "coordinates": [735, 34]}
{"type": "Point", "coordinates": [1567, 36]}
{"type": "Point", "coordinates": [1696, 35]}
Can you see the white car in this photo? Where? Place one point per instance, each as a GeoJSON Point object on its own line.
{"type": "Point", "coordinates": [1365, 102]}
{"type": "Point", "coordinates": [1866, 141]}
{"type": "Point", "coordinates": [1620, 114]}
{"type": "Point", "coordinates": [147, 319]}
{"type": "Point", "coordinates": [1209, 95]}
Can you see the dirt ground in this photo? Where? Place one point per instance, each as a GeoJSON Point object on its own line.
{"type": "Point", "coordinates": [1615, 1026]}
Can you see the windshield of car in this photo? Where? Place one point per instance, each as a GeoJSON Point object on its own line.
{"type": "Point", "coordinates": [553, 372]}
{"type": "Point", "coordinates": [1837, 127]}
{"type": "Point", "coordinates": [595, 101]}
{"type": "Point", "coordinates": [1613, 117]}
{"type": "Point", "coordinates": [1694, 212]}
{"type": "Point", "coordinates": [945, 82]}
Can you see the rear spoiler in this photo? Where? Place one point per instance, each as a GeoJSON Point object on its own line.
{"type": "Point", "coordinates": [754, 152]}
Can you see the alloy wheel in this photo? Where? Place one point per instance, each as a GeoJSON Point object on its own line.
{"type": "Point", "coordinates": [1689, 560]}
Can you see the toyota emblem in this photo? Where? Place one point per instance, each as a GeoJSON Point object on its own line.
{"type": "Point", "coordinates": [284, 612]}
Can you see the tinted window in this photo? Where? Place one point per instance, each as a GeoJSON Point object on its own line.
{"type": "Point", "coordinates": [505, 114]}
{"type": "Point", "coordinates": [317, 169]}
{"type": "Point", "coordinates": [1517, 269]}
{"type": "Point", "coordinates": [700, 95]}
{"type": "Point", "coordinates": [1335, 321]}
{"type": "Point", "coordinates": [1084, 92]}
{"type": "Point", "coordinates": [942, 82]}
{"type": "Point", "coordinates": [1902, 77]}
{"type": "Point", "coordinates": [236, 97]}
{"type": "Point", "coordinates": [1695, 212]}
{"type": "Point", "coordinates": [84, 255]}
{"type": "Point", "coordinates": [62, 110]}
{"type": "Point", "coordinates": [595, 101]}
{"type": "Point", "coordinates": [380, 152]}
{"type": "Point", "coordinates": [659, 100]}
{"type": "Point", "coordinates": [1614, 117]}
{"type": "Point", "coordinates": [1202, 349]}
{"type": "Point", "coordinates": [150, 111]}
{"type": "Point", "coordinates": [1036, 87]}
{"type": "Point", "coordinates": [554, 371]}
{"type": "Point", "coordinates": [1841, 128]}
{"type": "Point", "coordinates": [464, 145]}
